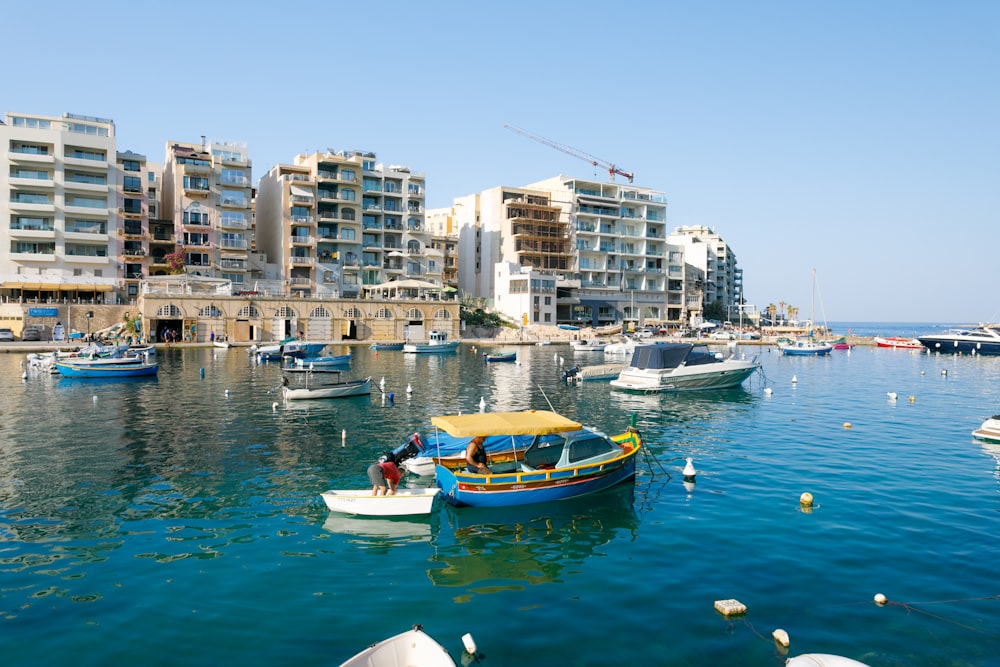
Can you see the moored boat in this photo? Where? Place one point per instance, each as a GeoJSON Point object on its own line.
{"type": "Point", "coordinates": [436, 343]}
{"type": "Point", "coordinates": [576, 462]}
{"type": "Point", "coordinates": [804, 346]}
{"type": "Point", "coordinates": [405, 502]}
{"type": "Point", "coordinates": [119, 370]}
{"type": "Point", "coordinates": [491, 357]}
{"type": "Point", "coordinates": [335, 360]}
{"type": "Point", "coordinates": [682, 367]}
{"type": "Point", "coordinates": [989, 431]}
{"type": "Point", "coordinates": [361, 387]}
{"type": "Point", "coordinates": [984, 340]}
{"type": "Point", "coordinates": [387, 346]}
{"type": "Point", "coordinates": [898, 342]}
{"type": "Point", "coordinates": [589, 345]}
{"type": "Point", "coordinates": [408, 649]}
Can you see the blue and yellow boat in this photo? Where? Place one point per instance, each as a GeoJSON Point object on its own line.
{"type": "Point", "coordinates": [564, 459]}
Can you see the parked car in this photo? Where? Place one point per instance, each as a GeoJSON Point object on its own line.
{"type": "Point", "coordinates": [31, 333]}
{"type": "Point", "coordinates": [6, 335]}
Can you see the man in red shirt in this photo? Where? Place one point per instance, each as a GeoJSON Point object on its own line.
{"type": "Point", "coordinates": [384, 477]}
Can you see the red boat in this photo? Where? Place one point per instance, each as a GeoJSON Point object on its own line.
{"type": "Point", "coordinates": [898, 342]}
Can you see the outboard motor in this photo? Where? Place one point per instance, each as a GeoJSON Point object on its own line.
{"type": "Point", "coordinates": [409, 449]}
{"type": "Point", "coordinates": [570, 374]}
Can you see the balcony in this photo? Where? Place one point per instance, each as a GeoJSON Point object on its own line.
{"type": "Point", "coordinates": [235, 181]}
{"type": "Point", "coordinates": [231, 202]}
{"type": "Point", "coordinates": [231, 223]}
{"type": "Point", "coordinates": [301, 261]}
{"type": "Point", "coordinates": [133, 252]}
{"type": "Point", "coordinates": [301, 200]}
{"type": "Point", "coordinates": [197, 190]}
{"type": "Point", "coordinates": [33, 233]}
{"type": "Point", "coordinates": [131, 233]}
{"type": "Point", "coordinates": [300, 282]}
{"type": "Point", "coordinates": [32, 182]}
{"type": "Point", "coordinates": [49, 257]}
{"type": "Point", "coordinates": [128, 213]}
{"type": "Point", "coordinates": [302, 220]}
{"type": "Point", "coordinates": [297, 239]}
{"type": "Point", "coordinates": [232, 244]}
{"type": "Point", "coordinates": [29, 156]}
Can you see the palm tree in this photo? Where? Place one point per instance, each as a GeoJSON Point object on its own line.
{"type": "Point", "coordinates": [781, 305]}
{"type": "Point", "coordinates": [771, 311]}
{"type": "Point", "coordinates": [793, 313]}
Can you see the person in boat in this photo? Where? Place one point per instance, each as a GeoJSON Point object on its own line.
{"type": "Point", "coordinates": [384, 476]}
{"type": "Point", "coordinates": [475, 456]}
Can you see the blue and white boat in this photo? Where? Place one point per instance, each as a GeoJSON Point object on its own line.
{"type": "Point", "coordinates": [437, 342]}
{"type": "Point", "coordinates": [492, 357]}
{"type": "Point", "coordinates": [983, 339]}
{"type": "Point", "coordinates": [127, 370]}
{"type": "Point", "coordinates": [804, 346]}
{"type": "Point", "coordinates": [577, 461]}
{"type": "Point", "coordinates": [316, 362]}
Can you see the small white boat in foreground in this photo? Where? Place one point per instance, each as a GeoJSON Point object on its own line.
{"type": "Point", "coordinates": [413, 648]}
{"type": "Point", "coordinates": [822, 660]}
{"type": "Point", "coordinates": [682, 367]}
{"type": "Point", "coordinates": [330, 390]}
{"type": "Point", "coordinates": [405, 502]}
{"type": "Point", "coordinates": [989, 431]}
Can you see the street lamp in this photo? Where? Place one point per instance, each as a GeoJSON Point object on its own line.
{"type": "Point", "coordinates": [89, 315]}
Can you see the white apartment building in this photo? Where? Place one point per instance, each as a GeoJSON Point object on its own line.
{"type": "Point", "coordinates": [339, 220]}
{"type": "Point", "coordinates": [207, 194]}
{"type": "Point", "coordinates": [607, 245]}
{"type": "Point", "coordinates": [714, 276]}
{"type": "Point", "coordinates": [59, 208]}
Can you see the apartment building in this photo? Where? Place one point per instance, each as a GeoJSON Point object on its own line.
{"type": "Point", "coordinates": [338, 221]}
{"type": "Point", "coordinates": [206, 193]}
{"type": "Point", "coordinates": [714, 275]}
{"type": "Point", "coordinates": [59, 208]}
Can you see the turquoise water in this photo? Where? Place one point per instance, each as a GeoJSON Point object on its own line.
{"type": "Point", "coordinates": [178, 520]}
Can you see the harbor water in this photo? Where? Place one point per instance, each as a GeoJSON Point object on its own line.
{"type": "Point", "coordinates": [177, 520]}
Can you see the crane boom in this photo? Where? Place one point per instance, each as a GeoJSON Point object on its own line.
{"type": "Point", "coordinates": [597, 162]}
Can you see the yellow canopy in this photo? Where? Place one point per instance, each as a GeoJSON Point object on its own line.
{"type": "Point", "coordinates": [528, 422]}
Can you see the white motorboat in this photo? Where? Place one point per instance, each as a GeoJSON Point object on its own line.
{"type": "Point", "coordinates": [822, 660]}
{"type": "Point", "coordinates": [405, 502]}
{"type": "Point", "coordinates": [804, 347]}
{"type": "Point", "coordinates": [328, 390]}
{"type": "Point", "coordinates": [408, 649]}
{"type": "Point", "coordinates": [989, 431]}
{"type": "Point", "coordinates": [621, 348]}
{"type": "Point", "coordinates": [682, 367]}
{"type": "Point", "coordinates": [589, 345]}
{"type": "Point", "coordinates": [984, 339]}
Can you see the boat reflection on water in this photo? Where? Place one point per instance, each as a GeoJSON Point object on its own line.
{"type": "Point", "coordinates": [382, 530]}
{"type": "Point", "coordinates": [510, 547]}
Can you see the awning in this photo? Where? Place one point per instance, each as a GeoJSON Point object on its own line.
{"type": "Point", "coordinates": [301, 191]}
{"type": "Point", "coordinates": [529, 422]}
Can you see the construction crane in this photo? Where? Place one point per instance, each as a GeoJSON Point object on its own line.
{"type": "Point", "coordinates": [597, 162]}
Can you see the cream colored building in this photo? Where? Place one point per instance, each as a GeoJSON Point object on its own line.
{"type": "Point", "coordinates": [338, 221]}
{"type": "Point", "coordinates": [59, 208]}
{"type": "Point", "coordinates": [206, 192]}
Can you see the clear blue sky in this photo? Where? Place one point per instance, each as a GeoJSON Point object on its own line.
{"type": "Point", "coordinates": [858, 138]}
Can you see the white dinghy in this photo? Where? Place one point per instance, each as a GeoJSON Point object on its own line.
{"type": "Point", "coordinates": [407, 649]}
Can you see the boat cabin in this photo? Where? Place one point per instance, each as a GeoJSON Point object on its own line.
{"type": "Point", "coordinates": [671, 355]}
{"type": "Point", "coordinates": [437, 337]}
{"type": "Point", "coordinates": [565, 450]}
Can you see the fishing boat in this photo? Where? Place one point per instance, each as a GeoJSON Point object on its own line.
{"type": "Point", "coordinates": [682, 367]}
{"type": "Point", "coordinates": [989, 431]}
{"type": "Point", "coordinates": [407, 649]}
{"type": "Point", "coordinates": [898, 343]}
{"type": "Point", "coordinates": [621, 348]}
{"type": "Point", "coordinates": [405, 502]}
{"type": "Point", "coordinates": [589, 345]}
{"type": "Point", "coordinates": [577, 462]}
{"type": "Point", "coordinates": [984, 340]}
{"type": "Point", "coordinates": [120, 370]}
{"type": "Point", "coordinates": [436, 343]}
{"type": "Point", "coordinates": [312, 362]}
{"type": "Point", "coordinates": [491, 357]}
{"type": "Point", "coordinates": [361, 387]}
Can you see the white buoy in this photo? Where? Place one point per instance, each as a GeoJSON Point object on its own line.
{"type": "Point", "coordinates": [227, 392]}
{"type": "Point", "coordinates": [781, 637]}
{"type": "Point", "coordinates": [409, 389]}
{"type": "Point", "coordinates": [95, 399]}
{"type": "Point", "coordinates": [891, 395]}
{"type": "Point", "coordinates": [944, 371]}
{"type": "Point", "coordinates": [561, 361]}
{"type": "Point", "coordinates": [343, 438]}
{"type": "Point", "coordinates": [482, 404]}
{"type": "Point", "coordinates": [469, 643]}
{"type": "Point", "coordinates": [880, 599]}
{"type": "Point", "coordinates": [768, 391]}
{"type": "Point", "coordinates": [381, 384]}
{"type": "Point", "coordinates": [689, 471]}
{"type": "Point", "coordinates": [806, 499]}
{"type": "Point", "coordinates": [795, 379]}
{"type": "Point", "coordinates": [24, 375]}
{"type": "Point", "coordinates": [274, 406]}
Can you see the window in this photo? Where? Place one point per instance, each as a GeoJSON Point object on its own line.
{"type": "Point", "coordinates": [196, 259]}
{"type": "Point", "coordinates": [82, 250]}
{"type": "Point", "coordinates": [133, 206]}
{"type": "Point", "coordinates": [35, 174]}
{"type": "Point", "coordinates": [588, 447]}
{"type": "Point", "coordinates": [32, 223]}
{"type": "Point", "coordinates": [85, 154]}
{"type": "Point", "coordinates": [82, 226]}
{"type": "Point", "coordinates": [33, 123]}
{"type": "Point", "coordinates": [131, 165]}
{"type": "Point", "coordinates": [21, 197]}
{"type": "Point", "coordinates": [348, 175]}
{"type": "Point", "coordinates": [132, 184]}
{"type": "Point", "coordinates": [195, 183]}
{"type": "Point", "coordinates": [84, 177]}
{"type": "Point", "coordinates": [86, 202]}
{"type": "Point", "coordinates": [29, 248]}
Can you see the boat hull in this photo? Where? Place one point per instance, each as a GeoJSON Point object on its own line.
{"type": "Point", "coordinates": [405, 502]}
{"type": "Point", "coordinates": [431, 348]}
{"type": "Point", "coordinates": [494, 358]}
{"type": "Point", "coordinates": [957, 346]}
{"type": "Point", "coordinates": [523, 488]}
{"type": "Point", "coordinates": [898, 343]}
{"type": "Point", "coordinates": [338, 360]}
{"type": "Point", "coordinates": [989, 431]}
